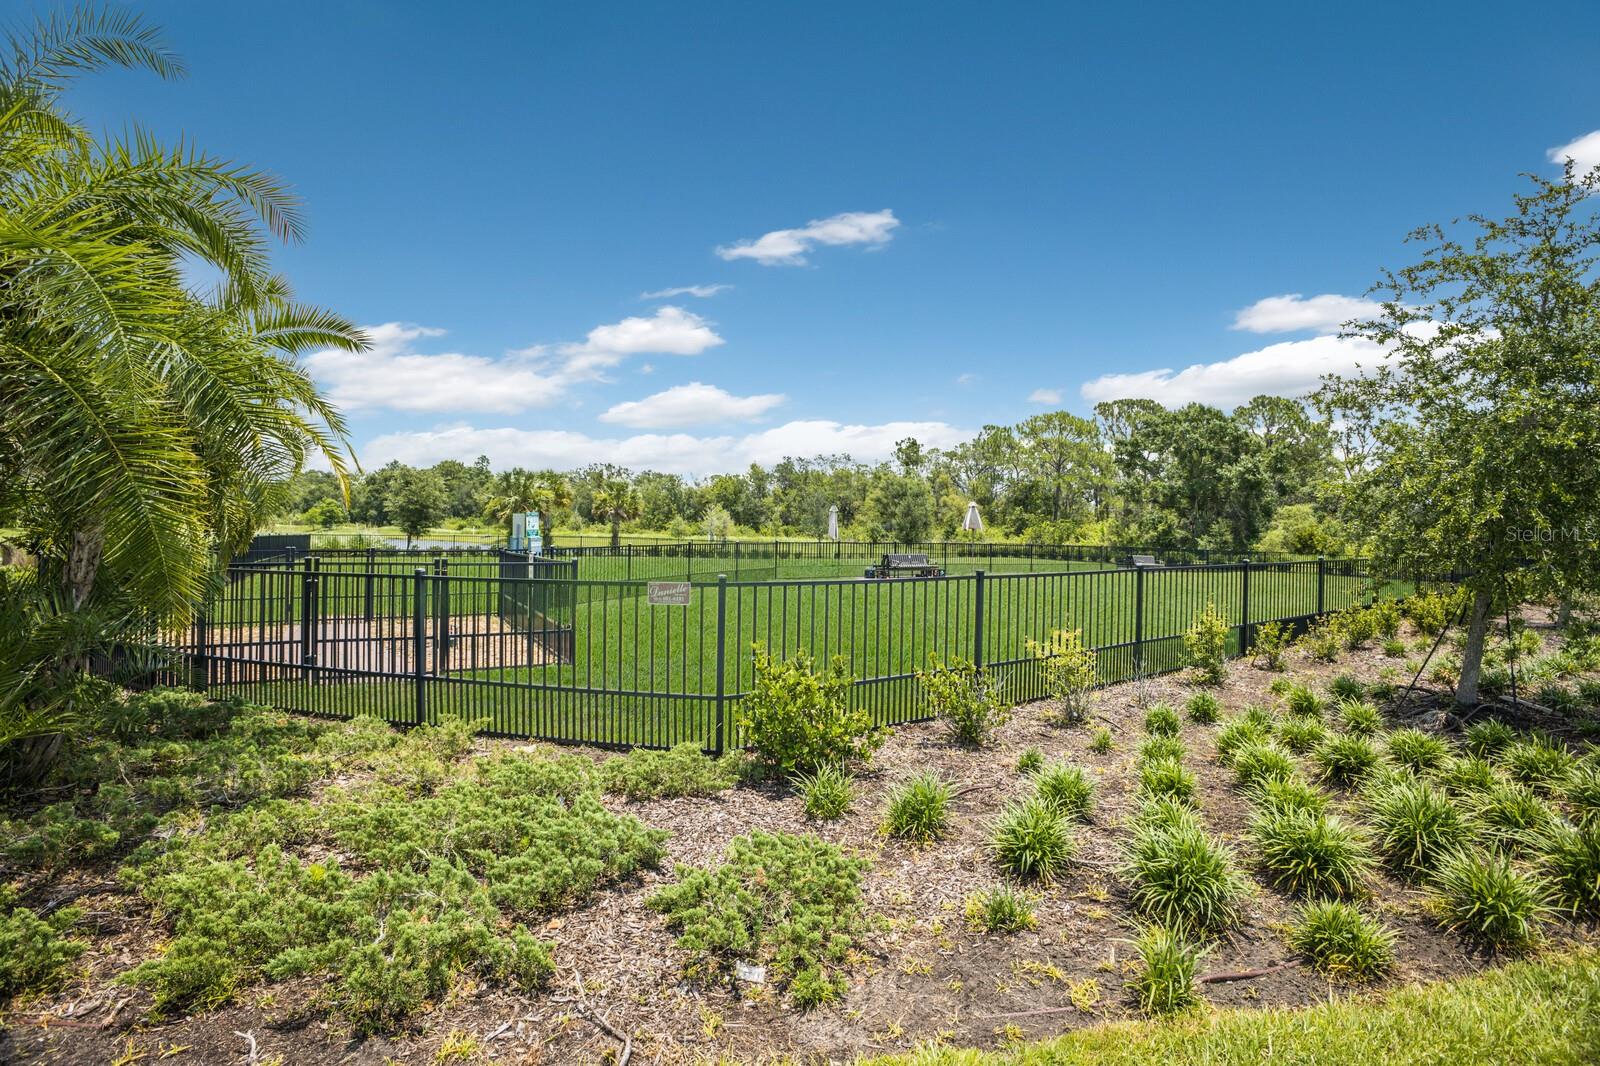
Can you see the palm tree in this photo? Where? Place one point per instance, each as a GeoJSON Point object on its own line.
{"type": "Point", "coordinates": [614, 501]}
{"type": "Point", "coordinates": [145, 427]}
{"type": "Point", "coordinates": [518, 491]}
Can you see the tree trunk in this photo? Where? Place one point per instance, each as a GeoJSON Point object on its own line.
{"type": "Point", "coordinates": [1564, 613]}
{"type": "Point", "coordinates": [616, 532]}
{"type": "Point", "coordinates": [83, 564]}
{"type": "Point", "coordinates": [1472, 654]}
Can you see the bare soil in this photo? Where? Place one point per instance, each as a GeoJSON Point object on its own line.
{"type": "Point", "coordinates": [923, 975]}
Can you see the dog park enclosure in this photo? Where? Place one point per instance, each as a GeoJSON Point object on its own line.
{"type": "Point", "coordinates": [592, 646]}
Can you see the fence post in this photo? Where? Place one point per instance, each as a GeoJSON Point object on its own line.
{"type": "Point", "coordinates": [202, 657]}
{"type": "Point", "coordinates": [1244, 610]}
{"type": "Point", "coordinates": [1138, 621]}
{"type": "Point", "coordinates": [1322, 573]}
{"type": "Point", "coordinates": [308, 614]}
{"type": "Point", "coordinates": [722, 660]}
{"type": "Point", "coordinates": [419, 642]}
{"type": "Point", "coordinates": [977, 622]}
{"type": "Point", "coordinates": [441, 616]}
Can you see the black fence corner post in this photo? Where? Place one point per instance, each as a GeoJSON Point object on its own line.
{"type": "Point", "coordinates": [1138, 621]}
{"type": "Point", "coordinates": [200, 677]}
{"type": "Point", "coordinates": [419, 642]}
{"type": "Point", "coordinates": [977, 621]}
{"type": "Point", "coordinates": [719, 744]}
{"type": "Point", "coordinates": [1322, 576]}
{"type": "Point", "coordinates": [1244, 610]}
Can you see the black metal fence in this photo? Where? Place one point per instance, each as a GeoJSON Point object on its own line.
{"type": "Point", "coordinates": [533, 649]}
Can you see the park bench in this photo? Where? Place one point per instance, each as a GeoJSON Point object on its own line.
{"type": "Point", "coordinates": [903, 564]}
{"type": "Point", "coordinates": [1142, 562]}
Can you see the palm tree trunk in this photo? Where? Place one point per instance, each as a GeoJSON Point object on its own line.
{"type": "Point", "coordinates": [616, 532]}
{"type": "Point", "coordinates": [1472, 654]}
{"type": "Point", "coordinates": [83, 564]}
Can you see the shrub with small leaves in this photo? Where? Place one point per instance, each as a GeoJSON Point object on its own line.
{"type": "Point", "coordinates": [1180, 875]}
{"type": "Point", "coordinates": [1488, 737]}
{"type": "Point", "coordinates": [35, 952]}
{"type": "Point", "coordinates": [791, 903]}
{"type": "Point", "coordinates": [1030, 761]}
{"type": "Point", "coordinates": [1345, 760]}
{"type": "Point", "coordinates": [1162, 721]}
{"type": "Point", "coordinates": [1100, 743]}
{"type": "Point", "coordinates": [1275, 795]}
{"type": "Point", "coordinates": [1168, 966]}
{"type": "Point", "coordinates": [1155, 749]}
{"type": "Point", "coordinates": [1539, 761]}
{"type": "Point", "coordinates": [919, 809]}
{"type": "Point", "coordinates": [1386, 618]}
{"type": "Point", "coordinates": [1066, 790]}
{"type": "Point", "coordinates": [1238, 734]}
{"type": "Point", "coordinates": [1261, 762]}
{"type": "Point", "coordinates": [796, 718]}
{"type": "Point", "coordinates": [1356, 627]}
{"type": "Point", "coordinates": [1569, 856]}
{"type": "Point", "coordinates": [1416, 825]}
{"type": "Point", "coordinates": [1414, 750]}
{"type": "Point", "coordinates": [1301, 735]}
{"type": "Point", "coordinates": [1323, 641]}
{"type": "Point", "coordinates": [1032, 840]}
{"type": "Point", "coordinates": [1068, 666]}
{"type": "Point", "coordinates": [1482, 895]}
{"type": "Point", "coordinates": [1431, 610]}
{"type": "Point", "coordinates": [1342, 941]}
{"type": "Point", "coordinates": [1303, 701]}
{"type": "Point", "coordinates": [1001, 909]}
{"type": "Point", "coordinates": [683, 770]}
{"type": "Point", "coordinates": [1166, 778]}
{"type": "Point", "coordinates": [1311, 854]}
{"type": "Point", "coordinates": [1271, 644]}
{"type": "Point", "coordinates": [1359, 717]}
{"type": "Point", "coordinates": [1203, 707]}
{"type": "Point", "coordinates": [1345, 687]}
{"type": "Point", "coordinates": [827, 793]}
{"type": "Point", "coordinates": [966, 698]}
{"type": "Point", "coordinates": [1205, 646]}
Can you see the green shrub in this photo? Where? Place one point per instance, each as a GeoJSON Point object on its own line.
{"type": "Point", "coordinates": [1066, 790]}
{"type": "Point", "coordinates": [1345, 687]}
{"type": "Point", "coordinates": [1386, 618]}
{"type": "Point", "coordinates": [1238, 734]}
{"type": "Point", "coordinates": [1031, 840]}
{"type": "Point", "coordinates": [1100, 743]}
{"type": "Point", "coordinates": [1323, 641]}
{"type": "Point", "coordinates": [1512, 813]}
{"type": "Point", "coordinates": [1538, 761]}
{"type": "Point", "coordinates": [1488, 737]}
{"type": "Point", "coordinates": [683, 770]}
{"type": "Point", "coordinates": [1303, 701]}
{"type": "Point", "coordinates": [1166, 778]}
{"type": "Point", "coordinates": [1168, 966]}
{"type": "Point", "coordinates": [1430, 611]}
{"type": "Point", "coordinates": [1356, 627]}
{"type": "Point", "coordinates": [919, 808]}
{"type": "Point", "coordinates": [1394, 649]}
{"type": "Point", "coordinates": [1345, 760]}
{"type": "Point", "coordinates": [1001, 909]}
{"type": "Point", "coordinates": [1068, 667]}
{"type": "Point", "coordinates": [1414, 750]}
{"type": "Point", "coordinates": [796, 719]}
{"type": "Point", "coordinates": [1203, 708]}
{"type": "Point", "coordinates": [1261, 762]}
{"type": "Point", "coordinates": [1416, 825]}
{"type": "Point", "coordinates": [1359, 717]}
{"type": "Point", "coordinates": [35, 952]}
{"type": "Point", "coordinates": [1271, 644]}
{"type": "Point", "coordinates": [1205, 646]}
{"type": "Point", "coordinates": [826, 792]}
{"type": "Point", "coordinates": [1162, 721]}
{"type": "Point", "coordinates": [1280, 686]}
{"type": "Point", "coordinates": [1341, 941]}
{"type": "Point", "coordinates": [1301, 735]}
{"type": "Point", "coordinates": [1570, 858]}
{"type": "Point", "coordinates": [1311, 854]}
{"type": "Point", "coordinates": [790, 903]}
{"type": "Point", "coordinates": [1030, 761]}
{"type": "Point", "coordinates": [1279, 794]}
{"type": "Point", "coordinates": [1179, 875]}
{"type": "Point", "coordinates": [966, 698]}
{"type": "Point", "coordinates": [1483, 896]}
{"type": "Point", "coordinates": [1155, 749]}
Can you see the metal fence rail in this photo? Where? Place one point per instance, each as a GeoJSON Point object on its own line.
{"type": "Point", "coordinates": [533, 649]}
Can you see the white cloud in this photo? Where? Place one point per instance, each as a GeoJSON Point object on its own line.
{"type": "Point", "coordinates": [788, 247]}
{"type": "Point", "coordinates": [1289, 368]}
{"type": "Point", "coordinates": [1584, 152]}
{"type": "Point", "coordinates": [966, 379]}
{"type": "Point", "coordinates": [701, 291]}
{"type": "Point", "coordinates": [690, 405]}
{"type": "Point", "coordinates": [677, 453]}
{"type": "Point", "coordinates": [1293, 312]}
{"type": "Point", "coordinates": [1050, 396]}
{"type": "Point", "coordinates": [670, 331]}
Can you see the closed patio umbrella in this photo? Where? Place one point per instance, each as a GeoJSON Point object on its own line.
{"type": "Point", "coordinates": [833, 522]}
{"type": "Point", "coordinates": [973, 521]}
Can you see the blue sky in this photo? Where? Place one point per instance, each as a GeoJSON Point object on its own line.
{"type": "Point", "coordinates": [929, 216]}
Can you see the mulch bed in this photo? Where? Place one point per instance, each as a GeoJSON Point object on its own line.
{"type": "Point", "coordinates": [926, 975]}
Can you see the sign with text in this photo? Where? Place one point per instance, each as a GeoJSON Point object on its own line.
{"type": "Point", "coordinates": [668, 593]}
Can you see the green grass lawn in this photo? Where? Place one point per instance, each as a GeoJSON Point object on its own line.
{"type": "Point", "coordinates": [1540, 1013]}
{"type": "Point", "coordinates": [631, 672]}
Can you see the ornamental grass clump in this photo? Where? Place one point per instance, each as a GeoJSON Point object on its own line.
{"type": "Point", "coordinates": [1569, 858]}
{"type": "Point", "coordinates": [1261, 762]}
{"type": "Point", "coordinates": [919, 809]}
{"type": "Point", "coordinates": [1540, 762]}
{"type": "Point", "coordinates": [1345, 760]}
{"type": "Point", "coordinates": [1238, 734]}
{"type": "Point", "coordinates": [1066, 790]}
{"type": "Point", "coordinates": [1165, 982]}
{"type": "Point", "coordinates": [1030, 761]}
{"type": "Point", "coordinates": [1155, 749]}
{"type": "Point", "coordinates": [1359, 717]}
{"type": "Point", "coordinates": [1203, 708]}
{"type": "Point", "coordinates": [1181, 876]}
{"type": "Point", "coordinates": [1166, 778]}
{"type": "Point", "coordinates": [1416, 751]}
{"type": "Point", "coordinates": [1511, 813]}
{"type": "Point", "coordinates": [1002, 909]}
{"type": "Point", "coordinates": [1302, 735]}
{"type": "Point", "coordinates": [1162, 721]}
{"type": "Point", "coordinates": [1032, 840]}
{"type": "Point", "coordinates": [1276, 795]}
{"type": "Point", "coordinates": [826, 794]}
{"type": "Point", "coordinates": [1484, 896]}
{"type": "Point", "coordinates": [1488, 737]}
{"type": "Point", "coordinates": [1416, 825]}
{"type": "Point", "coordinates": [1311, 854]}
{"type": "Point", "coordinates": [1342, 941]}
{"type": "Point", "coordinates": [1303, 701]}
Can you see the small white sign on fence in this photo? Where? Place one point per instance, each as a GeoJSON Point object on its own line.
{"type": "Point", "coordinates": [668, 593]}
